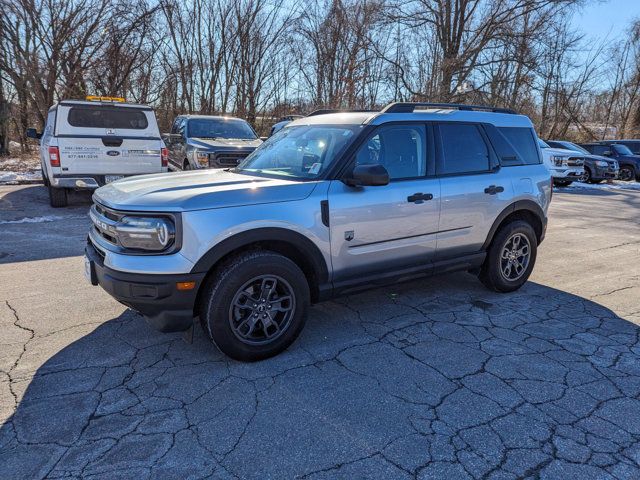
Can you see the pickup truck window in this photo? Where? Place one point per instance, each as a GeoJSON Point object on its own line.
{"type": "Point", "coordinates": [222, 128]}
{"type": "Point", "coordinates": [107, 117]}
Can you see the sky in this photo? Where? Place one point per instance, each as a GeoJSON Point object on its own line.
{"type": "Point", "coordinates": [606, 18]}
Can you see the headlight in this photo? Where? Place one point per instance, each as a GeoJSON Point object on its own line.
{"type": "Point", "coordinates": [602, 163]}
{"type": "Point", "coordinates": [201, 157]}
{"type": "Point", "coordinates": [145, 233]}
{"type": "Point", "coordinates": [559, 161]}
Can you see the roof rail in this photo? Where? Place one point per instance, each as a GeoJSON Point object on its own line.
{"type": "Point", "coordinates": [324, 111]}
{"type": "Point", "coordinates": [409, 107]}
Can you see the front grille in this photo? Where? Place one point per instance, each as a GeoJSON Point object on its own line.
{"type": "Point", "coordinates": [575, 162]}
{"type": "Point", "coordinates": [103, 218]}
{"type": "Point", "coordinates": [226, 159]}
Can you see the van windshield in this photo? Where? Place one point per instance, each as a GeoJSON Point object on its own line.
{"type": "Point", "coordinates": [302, 152]}
{"type": "Point", "coordinates": [220, 128]}
{"type": "Point", "coordinates": [90, 116]}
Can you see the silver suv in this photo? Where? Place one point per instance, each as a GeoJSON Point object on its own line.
{"type": "Point", "coordinates": [329, 205]}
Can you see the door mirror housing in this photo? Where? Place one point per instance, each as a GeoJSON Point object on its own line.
{"type": "Point", "coordinates": [33, 133]}
{"type": "Point", "coordinates": [607, 153]}
{"type": "Point", "coordinates": [368, 176]}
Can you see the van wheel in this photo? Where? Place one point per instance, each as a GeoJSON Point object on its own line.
{"type": "Point", "coordinates": [57, 197]}
{"type": "Point", "coordinates": [510, 258]}
{"type": "Point", "coordinates": [255, 305]}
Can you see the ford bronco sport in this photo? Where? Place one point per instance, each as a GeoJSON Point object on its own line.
{"type": "Point", "coordinates": [329, 205]}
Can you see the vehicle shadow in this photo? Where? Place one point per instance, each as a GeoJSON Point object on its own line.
{"type": "Point", "coordinates": [436, 377]}
{"type": "Point", "coordinates": [30, 229]}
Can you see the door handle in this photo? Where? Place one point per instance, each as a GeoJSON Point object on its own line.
{"type": "Point", "coordinates": [419, 197]}
{"type": "Point", "coordinates": [493, 189]}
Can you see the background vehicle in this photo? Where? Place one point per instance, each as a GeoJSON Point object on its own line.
{"type": "Point", "coordinates": [633, 145]}
{"type": "Point", "coordinates": [629, 163]}
{"type": "Point", "coordinates": [566, 166]}
{"type": "Point", "coordinates": [282, 123]}
{"type": "Point", "coordinates": [86, 144]}
{"type": "Point", "coordinates": [331, 204]}
{"type": "Point", "coordinates": [596, 168]}
{"type": "Point", "coordinates": [203, 141]}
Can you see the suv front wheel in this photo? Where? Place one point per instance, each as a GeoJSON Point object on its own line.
{"type": "Point", "coordinates": [510, 258]}
{"type": "Point", "coordinates": [255, 305]}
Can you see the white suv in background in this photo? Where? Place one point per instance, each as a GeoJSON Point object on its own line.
{"type": "Point", "coordinates": [566, 166]}
{"type": "Point", "coordinates": [89, 143]}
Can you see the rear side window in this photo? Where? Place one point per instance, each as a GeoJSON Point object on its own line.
{"type": "Point", "coordinates": [523, 141]}
{"type": "Point", "coordinates": [464, 149]}
{"type": "Point", "coordinates": [107, 117]}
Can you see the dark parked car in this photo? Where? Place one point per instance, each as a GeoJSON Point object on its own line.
{"type": "Point", "coordinates": [633, 145]}
{"type": "Point", "coordinates": [286, 120]}
{"type": "Point", "coordinates": [596, 168]}
{"type": "Point", "coordinates": [204, 141]}
{"type": "Point", "coordinates": [629, 163]}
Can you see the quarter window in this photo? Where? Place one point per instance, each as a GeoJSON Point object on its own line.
{"type": "Point", "coordinates": [399, 148]}
{"type": "Point", "coordinates": [523, 142]}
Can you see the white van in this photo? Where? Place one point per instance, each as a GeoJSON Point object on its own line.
{"type": "Point", "coordinates": [89, 143]}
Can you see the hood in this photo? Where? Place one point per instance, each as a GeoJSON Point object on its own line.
{"type": "Point", "coordinates": [562, 152]}
{"type": "Point", "coordinates": [198, 190]}
{"type": "Point", "coordinates": [597, 157]}
{"type": "Point", "coordinates": [231, 143]}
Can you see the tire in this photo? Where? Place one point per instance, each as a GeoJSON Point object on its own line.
{"type": "Point", "coordinates": [58, 197]}
{"type": "Point", "coordinates": [596, 182]}
{"type": "Point", "coordinates": [626, 174]}
{"type": "Point", "coordinates": [186, 165]}
{"type": "Point", "coordinates": [562, 183]}
{"type": "Point", "coordinates": [234, 305]}
{"type": "Point", "coordinates": [586, 176]}
{"type": "Point", "coordinates": [492, 271]}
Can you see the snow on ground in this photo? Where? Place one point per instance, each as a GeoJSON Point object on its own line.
{"type": "Point", "coordinates": [615, 185]}
{"type": "Point", "coordinates": [12, 178]}
{"type": "Point", "coordinates": [46, 218]}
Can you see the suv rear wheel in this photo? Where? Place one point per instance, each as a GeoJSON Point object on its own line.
{"type": "Point", "coordinates": [57, 197]}
{"type": "Point", "coordinates": [510, 258]}
{"type": "Point", "coordinates": [626, 173]}
{"type": "Point", "coordinates": [255, 305]}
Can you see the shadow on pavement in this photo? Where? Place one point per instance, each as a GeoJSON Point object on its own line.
{"type": "Point", "coordinates": [437, 378]}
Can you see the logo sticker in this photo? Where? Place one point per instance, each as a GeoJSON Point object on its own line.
{"type": "Point", "coordinates": [348, 235]}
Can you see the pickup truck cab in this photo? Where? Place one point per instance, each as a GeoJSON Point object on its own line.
{"type": "Point", "coordinates": [89, 143]}
{"type": "Point", "coordinates": [206, 141]}
{"type": "Point", "coordinates": [329, 205]}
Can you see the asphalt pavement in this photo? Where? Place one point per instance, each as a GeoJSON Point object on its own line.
{"type": "Point", "coordinates": [437, 378]}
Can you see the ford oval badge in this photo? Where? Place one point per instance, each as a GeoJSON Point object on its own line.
{"type": "Point", "coordinates": [113, 153]}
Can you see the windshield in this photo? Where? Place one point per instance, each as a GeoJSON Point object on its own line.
{"type": "Point", "coordinates": [543, 144]}
{"type": "Point", "coordinates": [622, 150]}
{"type": "Point", "coordinates": [220, 128]}
{"type": "Point", "coordinates": [301, 152]}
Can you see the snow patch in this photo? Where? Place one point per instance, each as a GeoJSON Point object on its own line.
{"type": "Point", "coordinates": [45, 218]}
{"type": "Point", "coordinates": [12, 178]}
{"type": "Point", "coordinates": [615, 185]}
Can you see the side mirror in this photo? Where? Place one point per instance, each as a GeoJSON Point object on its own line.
{"type": "Point", "coordinates": [607, 153]}
{"type": "Point", "coordinates": [368, 176]}
{"type": "Point", "coordinates": [264, 139]}
{"type": "Point", "coordinates": [33, 133]}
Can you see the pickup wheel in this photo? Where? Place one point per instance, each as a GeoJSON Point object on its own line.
{"type": "Point", "coordinates": [57, 197]}
{"type": "Point", "coordinates": [562, 183]}
{"type": "Point", "coordinates": [255, 305]}
{"type": "Point", "coordinates": [510, 258]}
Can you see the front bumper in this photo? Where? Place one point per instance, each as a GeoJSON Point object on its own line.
{"type": "Point", "coordinates": [155, 296]}
{"type": "Point", "coordinates": [604, 173]}
{"type": "Point", "coordinates": [571, 173]}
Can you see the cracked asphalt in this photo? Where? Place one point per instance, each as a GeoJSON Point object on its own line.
{"type": "Point", "coordinates": [432, 379]}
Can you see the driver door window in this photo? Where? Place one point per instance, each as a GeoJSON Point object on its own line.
{"type": "Point", "coordinates": [401, 149]}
